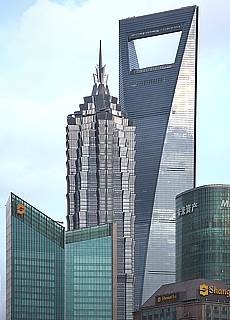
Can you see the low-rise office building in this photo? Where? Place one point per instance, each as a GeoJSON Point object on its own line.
{"type": "Point", "coordinates": [198, 299]}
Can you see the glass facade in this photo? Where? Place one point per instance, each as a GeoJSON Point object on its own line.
{"type": "Point", "coordinates": [203, 233]}
{"type": "Point", "coordinates": [162, 102]}
{"type": "Point", "coordinates": [35, 262]}
{"type": "Point", "coordinates": [100, 178]}
{"type": "Point", "coordinates": [91, 273]}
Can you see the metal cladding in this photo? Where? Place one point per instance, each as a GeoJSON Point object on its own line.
{"type": "Point", "coordinates": [100, 177]}
{"type": "Point", "coordinates": [161, 100]}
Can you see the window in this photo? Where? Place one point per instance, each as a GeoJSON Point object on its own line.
{"type": "Point", "coordinates": [143, 315]}
{"type": "Point", "coordinates": [162, 314]}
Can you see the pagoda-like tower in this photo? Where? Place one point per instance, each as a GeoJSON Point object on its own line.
{"type": "Point", "coordinates": [100, 177]}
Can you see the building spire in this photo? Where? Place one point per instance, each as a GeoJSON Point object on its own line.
{"type": "Point", "coordinates": [100, 78]}
{"type": "Point", "coordinates": [101, 69]}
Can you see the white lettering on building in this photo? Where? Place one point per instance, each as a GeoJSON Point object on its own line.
{"type": "Point", "coordinates": [188, 208]}
{"type": "Point", "coordinates": [224, 203]}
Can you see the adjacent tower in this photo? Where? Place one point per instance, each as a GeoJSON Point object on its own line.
{"type": "Point", "coordinates": [35, 263]}
{"type": "Point", "coordinates": [161, 99]}
{"type": "Point", "coordinates": [100, 177]}
{"type": "Point", "coordinates": [203, 233]}
{"type": "Point", "coordinates": [91, 273]}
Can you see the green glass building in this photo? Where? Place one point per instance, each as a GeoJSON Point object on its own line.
{"type": "Point", "coordinates": [203, 233]}
{"type": "Point", "coordinates": [91, 273]}
{"type": "Point", "coordinates": [35, 264]}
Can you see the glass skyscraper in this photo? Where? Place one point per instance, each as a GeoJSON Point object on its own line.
{"type": "Point", "coordinates": [35, 264]}
{"type": "Point", "coordinates": [161, 99]}
{"type": "Point", "coordinates": [203, 233]}
{"type": "Point", "coordinates": [100, 177]}
{"type": "Point", "coordinates": [91, 273]}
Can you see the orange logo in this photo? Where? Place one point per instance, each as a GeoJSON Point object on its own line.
{"type": "Point", "coordinates": [203, 290]}
{"type": "Point", "coordinates": [20, 208]}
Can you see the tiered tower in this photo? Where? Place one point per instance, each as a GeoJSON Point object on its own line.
{"type": "Point", "coordinates": [100, 177]}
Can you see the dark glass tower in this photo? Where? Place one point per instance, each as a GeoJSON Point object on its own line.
{"type": "Point", "coordinates": [100, 177]}
{"type": "Point", "coordinates": [161, 99]}
{"type": "Point", "coordinates": [35, 264]}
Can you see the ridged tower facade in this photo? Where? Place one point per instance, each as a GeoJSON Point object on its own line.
{"type": "Point", "coordinates": [100, 177]}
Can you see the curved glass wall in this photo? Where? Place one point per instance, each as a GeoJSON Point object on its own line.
{"type": "Point", "coordinates": [203, 233]}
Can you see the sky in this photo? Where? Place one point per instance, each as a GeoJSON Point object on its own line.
{"type": "Point", "coordinates": [48, 53]}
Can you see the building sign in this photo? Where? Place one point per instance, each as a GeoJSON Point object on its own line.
{"type": "Point", "coordinates": [205, 290]}
{"type": "Point", "coordinates": [20, 208]}
{"type": "Point", "coordinates": [166, 298]}
{"type": "Point", "coordinates": [188, 208]}
{"type": "Point", "coordinates": [225, 203]}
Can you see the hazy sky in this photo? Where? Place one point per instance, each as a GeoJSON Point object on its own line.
{"type": "Point", "coordinates": [48, 53]}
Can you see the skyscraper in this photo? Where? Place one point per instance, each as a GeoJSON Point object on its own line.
{"type": "Point", "coordinates": [161, 99]}
{"type": "Point", "coordinates": [35, 263]}
{"type": "Point", "coordinates": [100, 177]}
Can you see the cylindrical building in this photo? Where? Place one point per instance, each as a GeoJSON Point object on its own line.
{"type": "Point", "coordinates": [203, 233]}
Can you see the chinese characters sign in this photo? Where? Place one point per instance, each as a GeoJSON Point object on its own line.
{"type": "Point", "coordinates": [188, 208]}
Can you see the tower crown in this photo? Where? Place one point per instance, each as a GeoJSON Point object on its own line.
{"type": "Point", "coordinates": [100, 78]}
